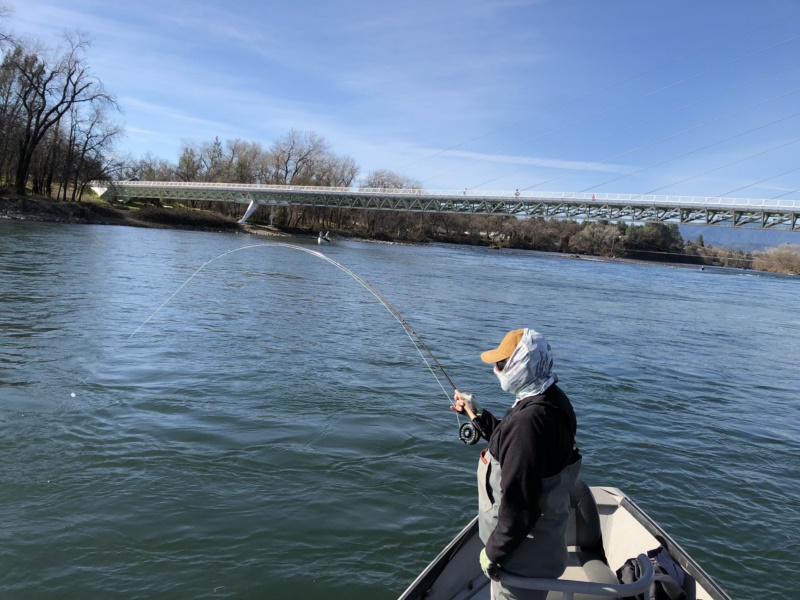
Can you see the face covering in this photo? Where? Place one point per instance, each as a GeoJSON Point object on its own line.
{"type": "Point", "coordinates": [528, 371]}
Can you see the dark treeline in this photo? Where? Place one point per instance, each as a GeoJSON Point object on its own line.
{"type": "Point", "coordinates": [57, 133]}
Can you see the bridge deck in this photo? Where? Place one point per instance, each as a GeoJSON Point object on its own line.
{"type": "Point", "coordinates": [730, 212]}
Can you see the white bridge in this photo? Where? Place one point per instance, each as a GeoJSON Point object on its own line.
{"type": "Point", "coordinates": [697, 210]}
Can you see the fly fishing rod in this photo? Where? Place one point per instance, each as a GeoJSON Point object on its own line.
{"type": "Point", "coordinates": [469, 432]}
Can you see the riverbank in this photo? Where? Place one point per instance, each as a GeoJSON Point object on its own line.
{"type": "Point", "coordinates": [92, 212]}
{"type": "Point", "coordinates": [97, 212]}
{"type": "Point", "coordinates": [32, 208]}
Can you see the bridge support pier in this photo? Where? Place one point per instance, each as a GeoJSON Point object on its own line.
{"type": "Point", "coordinates": [250, 210]}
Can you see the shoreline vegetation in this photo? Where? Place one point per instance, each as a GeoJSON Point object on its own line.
{"type": "Point", "coordinates": [651, 242]}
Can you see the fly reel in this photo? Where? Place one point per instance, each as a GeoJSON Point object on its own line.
{"type": "Point", "coordinates": [468, 433]}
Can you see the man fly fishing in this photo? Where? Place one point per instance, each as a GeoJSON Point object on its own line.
{"type": "Point", "coordinates": [525, 474]}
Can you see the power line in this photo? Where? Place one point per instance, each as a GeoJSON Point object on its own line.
{"type": "Point", "coordinates": [758, 182]}
{"type": "Point", "coordinates": [637, 99]}
{"type": "Point", "coordinates": [731, 254]}
{"type": "Point", "coordinates": [594, 92]}
{"type": "Point", "coordinates": [716, 256]}
{"type": "Point", "coordinates": [786, 194]}
{"type": "Point", "coordinates": [663, 162]}
{"type": "Point", "coordinates": [727, 165]}
{"type": "Point", "coordinates": [658, 141]}
{"type": "Point", "coordinates": [656, 118]}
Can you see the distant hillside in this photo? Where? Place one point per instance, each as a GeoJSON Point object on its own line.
{"type": "Point", "coordinates": [738, 238]}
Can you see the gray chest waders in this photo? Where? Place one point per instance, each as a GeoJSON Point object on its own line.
{"type": "Point", "coordinates": [543, 552]}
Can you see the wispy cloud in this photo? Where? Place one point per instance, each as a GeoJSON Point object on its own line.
{"type": "Point", "coordinates": [518, 89]}
{"type": "Point", "coordinates": [550, 163]}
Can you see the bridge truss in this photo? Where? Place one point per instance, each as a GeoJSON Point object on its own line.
{"type": "Point", "coordinates": [691, 210]}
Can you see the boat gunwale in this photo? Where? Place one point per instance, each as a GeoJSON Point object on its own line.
{"type": "Point", "coordinates": [432, 571]}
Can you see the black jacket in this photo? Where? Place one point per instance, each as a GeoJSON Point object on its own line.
{"type": "Point", "coordinates": [534, 440]}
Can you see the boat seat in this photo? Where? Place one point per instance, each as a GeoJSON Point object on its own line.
{"type": "Point", "coordinates": [587, 559]}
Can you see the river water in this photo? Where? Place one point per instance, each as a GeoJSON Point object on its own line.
{"type": "Point", "coordinates": [272, 432]}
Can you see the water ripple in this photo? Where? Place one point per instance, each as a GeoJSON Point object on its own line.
{"type": "Point", "coordinates": [273, 432]}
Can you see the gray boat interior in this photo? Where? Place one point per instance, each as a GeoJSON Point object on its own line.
{"type": "Point", "coordinates": [587, 557]}
{"type": "Point", "coordinates": [605, 529]}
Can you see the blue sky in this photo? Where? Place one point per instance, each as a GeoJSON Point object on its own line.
{"type": "Point", "coordinates": [621, 96]}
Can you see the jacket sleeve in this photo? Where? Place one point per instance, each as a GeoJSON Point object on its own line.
{"type": "Point", "coordinates": [488, 422]}
{"type": "Point", "coordinates": [521, 481]}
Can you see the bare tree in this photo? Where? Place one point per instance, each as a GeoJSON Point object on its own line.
{"type": "Point", "coordinates": [149, 168]}
{"type": "Point", "coordinates": [95, 140]}
{"type": "Point", "coordinates": [336, 171]}
{"type": "Point", "coordinates": [243, 160]}
{"type": "Point", "coordinates": [190, 163]}
{"type": "Point", "coordinates": [213, 161]}
{"type": "Point", "coordinates": [47, 159]}
{"type": "Point", "coordinates": [295, 156]}
{"type": "Point", "coordinates": [5, 13]}
{"type": "Point", "coordinates": [389, 180]}
{"type": "Point", "coordinates": [10, 111]}
{"type": "Point", "coordinates": [401, 225]}
{"type": "Point", "coordinates": [48, 89]}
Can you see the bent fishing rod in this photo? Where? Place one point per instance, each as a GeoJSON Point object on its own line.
{"type": "Point", "coordinates": [469, 432]}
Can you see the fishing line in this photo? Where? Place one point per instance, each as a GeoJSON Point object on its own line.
{"type": "Point", "coordinates": [416, 340]}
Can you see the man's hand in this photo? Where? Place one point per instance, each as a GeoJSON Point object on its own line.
{"type": "Point", "coordinates": [463, 401]}
{"type": "Point", "coordinates": [489, 568]}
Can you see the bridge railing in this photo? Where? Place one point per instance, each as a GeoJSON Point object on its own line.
{"type": "Point", "coordinates": [492, 195]}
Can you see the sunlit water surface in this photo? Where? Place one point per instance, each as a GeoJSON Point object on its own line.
{"type": "Point", "coordinates": [271, 431]}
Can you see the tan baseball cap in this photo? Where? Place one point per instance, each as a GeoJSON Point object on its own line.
{"type": "Point", "coordinates": [505, 349]}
